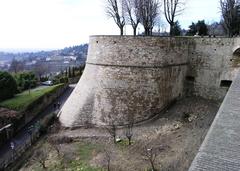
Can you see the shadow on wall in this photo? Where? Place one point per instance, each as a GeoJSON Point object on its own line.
{"type": "Point", "coordinates": [236, 58]}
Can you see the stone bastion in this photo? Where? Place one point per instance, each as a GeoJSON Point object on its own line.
{"type": "Point", "coordinates": [135, 78]}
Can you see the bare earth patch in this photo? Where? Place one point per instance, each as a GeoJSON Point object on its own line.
{"type": "Point", "coordinates": [175, 138]}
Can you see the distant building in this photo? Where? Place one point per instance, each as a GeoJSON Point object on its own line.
{"type": "Point", "coordinates": [31, 63]}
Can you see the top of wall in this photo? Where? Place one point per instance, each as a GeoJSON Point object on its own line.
{"type": "Point", "coordinates": [150, 51]}
{"type": "Point", "coordinates": [137, 51]}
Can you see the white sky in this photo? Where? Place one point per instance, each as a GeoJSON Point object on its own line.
{"type": "Point", "coordinates": [49, 24]}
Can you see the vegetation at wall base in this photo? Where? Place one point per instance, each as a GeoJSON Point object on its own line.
{"type": "Point", "coordinates": [23, 101]}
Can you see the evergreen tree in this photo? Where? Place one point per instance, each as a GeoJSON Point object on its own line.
{"type": "Point", "coordinates": [66, 73]}
{"type": "Point", "coordinates": [192, 30]}
{"type": "Point", "coordinates": [202, 28]}
{"type": "Point", "coordinates": [8, 85]}
{"type": "Point", "coordinates": [69, 72]}
{"type": "Point", "coordinates": [199, 28]}
{"type": "Point", "coordinates": [176, 29]}
{"type": "Point", "coordinates": [73, 71]}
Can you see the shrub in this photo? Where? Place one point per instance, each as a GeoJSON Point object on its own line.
{"type": "Point", "coordinates": [26, 80]}
{"type": "Point", "coordinates": [43, 79]}
{"type": "Point", "coordinates": [63, 80]}
{"type": "Point", "coordinates": [60, 79]}
{"type": "Point", "coordinates": [8, 86]}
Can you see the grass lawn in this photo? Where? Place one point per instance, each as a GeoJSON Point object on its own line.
{"type": "Point", "coordinates": [73, 157]}
{"type": "Point", "coordinates": [85, 152]}
{"type": "Point", "coordinates": [21, 101]}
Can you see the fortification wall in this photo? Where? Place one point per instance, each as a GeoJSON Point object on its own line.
{"type": "Point", "coordinates": [137, 77]}
{"type": "Point", "coordinates": [127, 77]}
{"type": "Point", "coordinates": [211, 66]}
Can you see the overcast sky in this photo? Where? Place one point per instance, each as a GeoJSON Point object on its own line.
{"type": "Point", "coordinates": [50, 24]}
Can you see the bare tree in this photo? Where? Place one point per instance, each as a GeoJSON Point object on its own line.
{"type": "Point", "coordinates": [55, 141]}
{"type": "Point", "coordinates": [40, 69]}
{"type": "Point", "coordinates": [129, 129]}
{"type": "Point", "coordinates": [115, 10]}
{"type": "Point", "coordinates": [132, 8]}
{"type": "Point", "coordinates": [107, 158]}
{"type": "Point", "coordinates": [216, 29]}
{"type": "Point", "coordinates": [54, 145]}
{"type": "Point", "coordinates": [16, 66]}
{"type": "Point", "coordinates": [161, 25]}
{"type": "Point", "coordinates": [172, 8]}
{"type": "Point", "coordinates": [150, 155]}
{"type": "Point", "coordinates": [129, 133]}
{"type": "Point", "coordinates": [41, 156]}
{"type": "Point", "coordinates": [149, 10]}
{"type": "Point", "coordinates": [229, 10]}
{"type": "Point", "coordinates": [112, 130]}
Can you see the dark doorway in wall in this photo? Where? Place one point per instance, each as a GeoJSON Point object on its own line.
{"type": "Point", "coordinates": [190, 78]}
{"type": "Point", "coordinates": [225, 83]}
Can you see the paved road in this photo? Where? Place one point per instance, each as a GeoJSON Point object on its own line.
{"type": "Point", "coordinates": [22, 137]}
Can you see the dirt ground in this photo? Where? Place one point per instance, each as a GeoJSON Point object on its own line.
{"type": "Point", "coordinates": [174, 140]}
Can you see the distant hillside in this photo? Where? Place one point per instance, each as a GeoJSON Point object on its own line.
{"type": "Point", "coordinates": [80, 51]}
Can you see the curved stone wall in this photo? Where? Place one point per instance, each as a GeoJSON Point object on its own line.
{"type": "Point", "coordinates": [127, 77]}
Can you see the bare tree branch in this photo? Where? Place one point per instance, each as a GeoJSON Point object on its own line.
{"type": "Point", "coordinates": [149, 10]}
{"type": "Point", "coordinates": [112, 130]}
{"type": "Point", "coordinates": [172, 8]}
{"type": "Point", "coordinates": [41, 156]}
{"type": "Point", "coordinates": [132, 9]}
{"type": "Point", "coordinates": [107, 158]}
{"type": "Point", "coordinates": [229, 10]}
{"type": "Point", "coordinates": [115, 10]}
{"type": "Point", "coordinates": [150, 155]}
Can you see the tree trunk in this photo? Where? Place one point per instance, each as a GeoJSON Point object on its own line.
{"type": "Point", "coordinates": [152, 165]}
{"type": "Point", "coordinates": [121, 31]}
{"type": "Point", "coordinates": [129, 140]}
{"type": "Point", "coordinates": [146, 31]}
{"type": "Point", "coordinates": [150, 32]}
{"type": "Point", "coordinates": [114, 140]}
{"type": "Point", "coordinates": [43, 165]}
{"type": "Point", "coordinates": [134, 31]}
{"type": "Point", "coordinates": [171, 29]}
{"type": "Point", "coordinates": [108, 166]}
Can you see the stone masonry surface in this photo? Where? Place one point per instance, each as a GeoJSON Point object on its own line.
{"type": "Point", "coordinates": [136, 77]}
{"type": "Point", "coordinates": [122, 81]}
